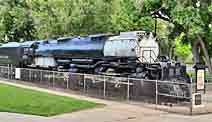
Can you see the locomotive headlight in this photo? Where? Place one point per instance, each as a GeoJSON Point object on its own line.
{"type": "Point", "coordinates": [25, 57]}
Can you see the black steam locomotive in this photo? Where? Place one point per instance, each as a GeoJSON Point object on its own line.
{"type": "Point", "coordinates": [130, 54]}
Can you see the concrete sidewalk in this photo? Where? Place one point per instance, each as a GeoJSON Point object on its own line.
{"type": "Point", "coordinates": [112, 112]}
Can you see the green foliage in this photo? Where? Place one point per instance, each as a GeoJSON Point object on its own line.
{"type": "Point", "coordinates": [191, 17]}
{"type": "Point", "coordinates": [210, 8]}
{"type": "Point", "coordinates": [41, 19]}
{"type": "Point", "coordinates": [181, 49]}
{"type": "Point", "coordinates": [18, 100]}
{"type": "Point", "coordinates": [16, 22]}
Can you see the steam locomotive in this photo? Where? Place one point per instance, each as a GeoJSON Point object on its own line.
{"type": "Point", "coordinates": [128, 54]}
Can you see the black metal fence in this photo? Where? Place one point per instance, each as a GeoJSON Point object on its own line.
{"type": "Point", "coordinates": [109, 87]}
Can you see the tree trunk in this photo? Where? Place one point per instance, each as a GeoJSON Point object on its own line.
{"type": "Point", "coordinates": [205, 51]}
{"type": "Point", "coordinates": [195, 52]}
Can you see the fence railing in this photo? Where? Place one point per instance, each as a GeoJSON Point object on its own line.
{"type": "Point", "coordinates": [106, 87]}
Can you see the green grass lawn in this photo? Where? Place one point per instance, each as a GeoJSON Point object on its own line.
{"type": "Point", "coordinates": [19, 100]}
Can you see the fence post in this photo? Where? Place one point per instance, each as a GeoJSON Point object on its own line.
{"type": "Point", "coordinates": [191, 101]}
{"type": "Point", "coordinates": [30, 75]}
{"type": "Point", "coordinates": [41, 76]}
{"type": "Point", "coordinates": [11, 71]}
{"type": "Point", "coordinates": [67, 81]}
{"type": "Point", "coordinates": [84, 83]}
{"type": "Point", "coordinates": [104, 87]}
{"type": "Point", "coordinates": [128, 88]}
{"type": "Point", "coordinates": [1, 72]}
{"type": "Point", "coordinates": [156, 93]}
{"type": "Point", "coordinates": [8, 76]}
{"type": "Point", "coordinates": [53, 79]}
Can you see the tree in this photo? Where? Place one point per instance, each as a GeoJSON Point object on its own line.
{"type": "Point", "coordinates": [191, 17]}
{"type": "Point", "coordinates": [16, 21]}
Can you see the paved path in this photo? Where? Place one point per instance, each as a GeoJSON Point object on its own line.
{"type": "Point", "coordinates": [112, 112]}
